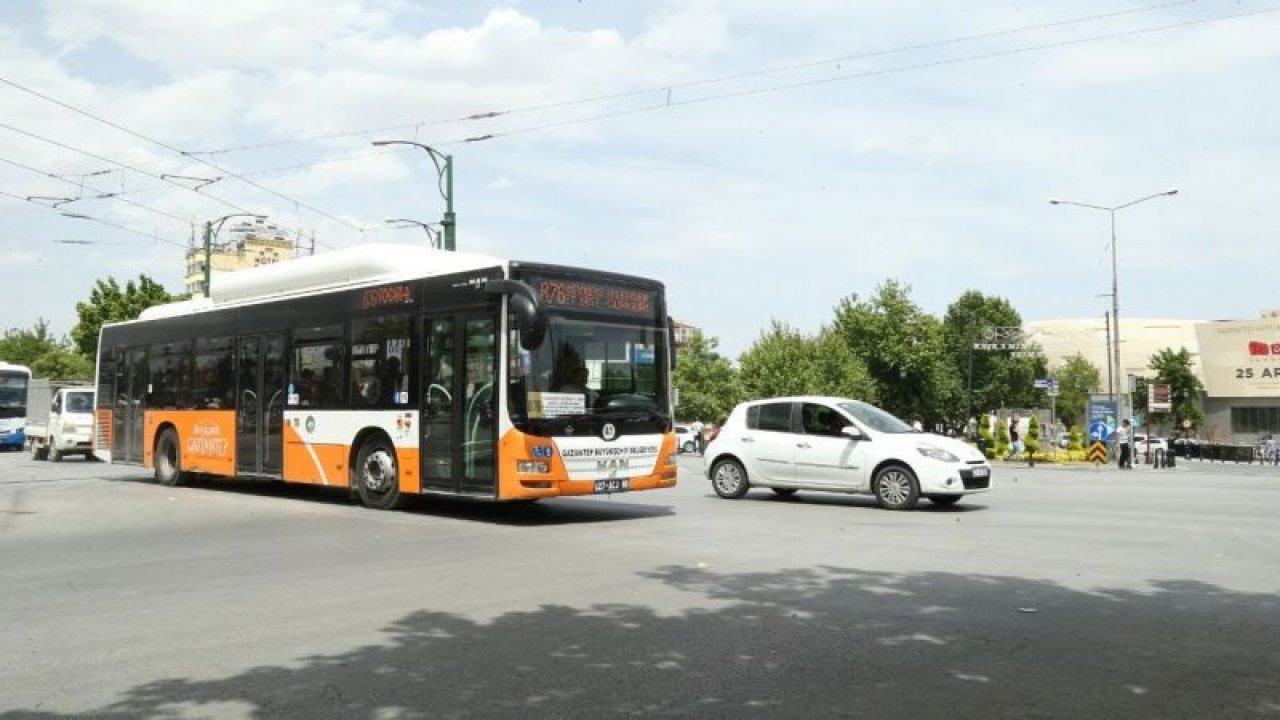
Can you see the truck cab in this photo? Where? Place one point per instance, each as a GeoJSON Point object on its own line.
{"type": "Point", "coordinates": [62, 426]}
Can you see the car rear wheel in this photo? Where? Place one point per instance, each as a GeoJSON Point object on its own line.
{"type": "Point", "coordinates": [896, 488]}
{"type": "Point", "coordinates": [729, 479]}
{"type": "Point", "coordinates": [687, 447]}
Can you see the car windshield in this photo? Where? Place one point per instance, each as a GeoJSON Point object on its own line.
{"type": "Point", "coordinates": [80, 402]}
{"type": "Point", "coordinates": [875, 418]}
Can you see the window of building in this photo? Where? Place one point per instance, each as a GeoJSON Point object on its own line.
{"type": "Point", "coordinates": [1255, 419]}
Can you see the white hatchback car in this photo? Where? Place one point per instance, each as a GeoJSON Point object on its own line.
{"type": "Point", "coordinates": [839, 445]}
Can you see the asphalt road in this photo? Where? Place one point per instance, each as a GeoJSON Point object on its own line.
{"type": "Point", "coordinates": [1063, 593]}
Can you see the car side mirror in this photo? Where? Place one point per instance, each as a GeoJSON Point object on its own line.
{"type": "Point", "coordinates": [853, 433]}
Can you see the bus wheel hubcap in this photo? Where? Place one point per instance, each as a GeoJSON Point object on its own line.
{"type": "Point", "coordinates": [379, 470]}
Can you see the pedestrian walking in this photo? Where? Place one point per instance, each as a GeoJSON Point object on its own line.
{"type": "Point", "coordinates": [1271, 456]}
{"type": "Point", "coordinates": [1015, 444]}
{"type": "Point", "coordinates": [696, 427]}
{"type": "Point", "coordinates": [1123, 449]}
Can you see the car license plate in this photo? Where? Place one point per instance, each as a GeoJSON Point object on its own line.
{"type": "Point", "coordinates": [980, 472]}
{"type": "Point", "coordinates": [612, 485]}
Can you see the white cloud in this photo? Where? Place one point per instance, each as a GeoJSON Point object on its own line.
{"type": "Point", "coordinates": [937, 175]}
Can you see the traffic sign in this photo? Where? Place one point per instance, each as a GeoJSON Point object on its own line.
{"type": "Point", "coordinates": [1097, 452]}
{"type": "Point", "coordinates": [1042, 383]}
{"type": "Point", "coordinates": [1099, 431]}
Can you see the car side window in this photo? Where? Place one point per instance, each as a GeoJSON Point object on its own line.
{"type": "Point", "coordinates": [774, 417]}
{"type": "Point", "coordinates": [821, 420]}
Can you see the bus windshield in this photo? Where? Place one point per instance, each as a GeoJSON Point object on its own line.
{"type": "Point", "coordinates": [13, 394]}
{"type": "Point", "coordinates": [591, 369]}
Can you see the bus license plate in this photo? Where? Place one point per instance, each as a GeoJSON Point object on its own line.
{"type": "Point", "coordinates": [612, 485]}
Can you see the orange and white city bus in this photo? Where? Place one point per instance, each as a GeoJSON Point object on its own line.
{"type": "Point", "coordinates": [399, 370]}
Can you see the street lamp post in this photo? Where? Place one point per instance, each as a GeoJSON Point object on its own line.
{"type": "Point", "coordinates": [444, 168]}
{"type": "Point", "coordinates": [1115, 293]}
{"type": "Point", "coordinates": [211, 229]}
{"type": "Point", "coordinates": [433, 235]}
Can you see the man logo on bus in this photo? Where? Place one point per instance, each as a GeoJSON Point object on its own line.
{"type": "Point", "coordinates": [609, 432]}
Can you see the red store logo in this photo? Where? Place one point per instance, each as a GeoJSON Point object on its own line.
{"type": "Point", "coordinates": [1261, 349]}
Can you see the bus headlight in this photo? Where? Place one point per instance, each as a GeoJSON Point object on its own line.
{"type": "Point", "coordinates": [532, 466]}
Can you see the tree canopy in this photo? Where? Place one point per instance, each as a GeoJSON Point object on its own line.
{"type": "Point", "coordinates": [46, 355]}
{"type": "Point", "coordinates": [707, 384]}
{"type": "Point", "coordinates": [108, 302]}
{"type": "Point", "coordinates": [784, 361]}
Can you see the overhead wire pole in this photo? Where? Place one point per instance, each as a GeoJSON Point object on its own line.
{"type": "Point", "coordinates": [444, 182]}
{"type": "Point", "coordinates": [433, 235]}
{"type": "Point", "coordinates": [209, 232]}
{"type": "Point", "coordinates": [1115, 292]}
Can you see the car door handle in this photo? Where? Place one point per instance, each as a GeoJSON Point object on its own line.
{"type": "Point", "coordinates": [748, 440]}
{"type": "Point", "coordinates": [803, 445]}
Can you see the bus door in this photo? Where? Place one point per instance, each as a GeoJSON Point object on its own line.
{"type": "Point", "coordinates": [260, 404]}
{"type": "Point", "coordinates": [131, 391]}
{"type": "Point", "coordinates": [459, 403]}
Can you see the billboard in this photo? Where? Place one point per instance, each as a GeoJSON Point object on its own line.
{"type": "Point", "coordinates": [1240, 358]}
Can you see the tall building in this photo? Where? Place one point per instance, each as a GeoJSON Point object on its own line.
{"type": "Point", "coordinates": [250, 243]}
{"type": "Point", "coordinates": [683, 333]}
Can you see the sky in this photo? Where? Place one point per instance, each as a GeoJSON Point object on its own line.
{"type": "Point", "coordinates": [764, 160]}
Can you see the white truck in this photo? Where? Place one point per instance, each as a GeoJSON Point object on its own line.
{"type": "Point", "coordinates": [60, 419]}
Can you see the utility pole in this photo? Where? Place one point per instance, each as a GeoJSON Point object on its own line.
{"type": "Point", "coordinates": [444, 168]}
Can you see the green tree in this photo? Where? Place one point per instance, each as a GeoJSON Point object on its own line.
{"type": "Point", "coordinates": [901, 347]}
{"type": "Point", "coordinates": [707, 384]}
{"type": "Point", "coordinates": [1173, 368]}
{"type": "Point", "coordinates": [47, 356]}
{"type": "Point", "coordinates": [784, 361]}
{"type": "Point", "coordinates": [109, 303]}
{"type": "Point", "coordinates": [1077, 378]}
{"type": "Point", "coordinates": [997, 378]}
{"type": "Point", "coordinates": [1032, 442]}
{"type": "Point", "coordinates": [988, 439]}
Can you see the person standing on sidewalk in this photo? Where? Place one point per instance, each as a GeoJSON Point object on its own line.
{"type": "Point", "coordinates": [696, 427]}
{"type": "Point", "coordinates": [1123, 449]}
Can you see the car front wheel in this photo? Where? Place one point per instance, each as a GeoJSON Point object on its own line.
{"type": "Point", "coordinates": [729, 479]}
{"type": "Point", "coordinates": [896, 488]}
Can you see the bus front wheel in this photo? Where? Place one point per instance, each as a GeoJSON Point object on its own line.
{"type": "Point", "coordinates": [168, 459]}
{"type": "Point", "coordinates": [377, 475]}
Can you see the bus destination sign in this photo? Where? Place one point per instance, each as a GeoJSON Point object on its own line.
{"type": "Point", "coordinates": [585, 295]}
{"type": "Point", "coordinates": [386, 295]}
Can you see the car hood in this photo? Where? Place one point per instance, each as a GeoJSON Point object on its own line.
{"type": "Point", "coordinates": [959, 448]}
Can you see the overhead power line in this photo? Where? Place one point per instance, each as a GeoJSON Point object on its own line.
{"type": "Point", "coordinates": [172, 180]}
{"type": "Point", "coordinates": [670, 87]}
{"type": "Point", "coordinates": [100, 221]}
{"type": "Point", "coordinates": [170, 148]}
{"type": "Point", "coordinates": [670, 103]}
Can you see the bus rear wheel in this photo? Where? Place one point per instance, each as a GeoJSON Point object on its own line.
{"type": "Point", "coordinates": [377, 475]}
{"type": "Point", "coordinates": [168, 459]}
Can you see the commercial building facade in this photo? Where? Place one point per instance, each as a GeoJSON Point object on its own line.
{"type": "Point", "coordinates": [1237, 361]}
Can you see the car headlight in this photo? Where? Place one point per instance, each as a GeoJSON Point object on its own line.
{"type": "Point", "coordinates": [936, 453]}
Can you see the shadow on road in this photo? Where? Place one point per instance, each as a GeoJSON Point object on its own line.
{"type": "Point", "coordinates": [554, 511]}
{"type": "Point", "coordinates": [802, 643]}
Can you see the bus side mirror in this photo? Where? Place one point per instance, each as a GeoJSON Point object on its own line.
{"type": "Point", "coordinates": [671, 340]}
{"type": "Point", "coordinates": [523, 302]}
